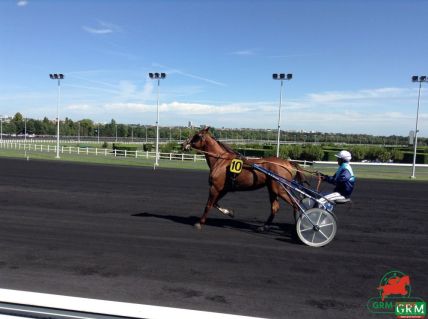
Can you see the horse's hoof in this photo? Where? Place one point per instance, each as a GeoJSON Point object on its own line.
{"type": "Point", "coordinates": [231, 213]}
{"type": "Point", "coordinates": [263, 229]}
{"type": "Point", "coordinates": [198, 226]}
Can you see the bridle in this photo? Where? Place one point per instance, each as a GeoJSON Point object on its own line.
{"type": "Point", "coordinates": [210, 154]}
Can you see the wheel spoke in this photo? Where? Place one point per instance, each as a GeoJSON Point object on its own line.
{"type": "Point", "coordinates": [319, 218]}
{"type": "Point", "coordinates": [321, 226]}
{"type": "Point", "coordinates": [323, 234]}
{"type": "Point", "coordinates": [313, 237]}
{"type": "Point", "coordinates": [306, 229]}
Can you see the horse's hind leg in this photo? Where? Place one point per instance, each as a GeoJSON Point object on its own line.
{"type": "Point", "coordinates": [287, 198]}
{"type": "Point", "coordinates": [274, 207]}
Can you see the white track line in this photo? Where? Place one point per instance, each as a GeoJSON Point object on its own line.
{"type": "Point", "coordinates": [105, 307]}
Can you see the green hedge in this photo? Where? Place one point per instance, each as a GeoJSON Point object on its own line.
{"type": "Point", "coordinates": [124, 147]}
{"type": "Point", "coordinates": [420, 158]}
{"type": "Point", "coordinates": [312, 153]}
{"type": "Point", "coordinates": [172, 147]}
{"type": "Point", "coordinates": [329, 156]}
{"type": "Point", "coordinates": [254, 153]}
{"type": "Point", "coordinates": [148, 147]}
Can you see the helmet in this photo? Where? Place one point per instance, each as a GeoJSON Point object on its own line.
{"type": "Point", "coordinates": [344, 155]}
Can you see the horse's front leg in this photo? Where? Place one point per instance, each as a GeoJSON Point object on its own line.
{"type": "Point", "coordinates": [212, 200]}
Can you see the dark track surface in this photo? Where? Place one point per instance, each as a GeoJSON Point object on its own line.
{"type": "Point", "coordinates": [126, 234]}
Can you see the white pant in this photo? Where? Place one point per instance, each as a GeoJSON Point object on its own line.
{"type": "Point", "coordinates": [331, 197]}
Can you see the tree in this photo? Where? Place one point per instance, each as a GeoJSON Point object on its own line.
{"type": "Point", "coordinates": [18, 123]}
{"type": "Point", "coordinates": [312, 153]}
{"type": "Point", "coordinates": [18, 118]}
{"type": "Point", "coordinates": [87, 127]}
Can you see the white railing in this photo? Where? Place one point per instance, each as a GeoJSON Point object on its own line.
{"type": "Point", "coordinates": [75, 141]}
{"type": "Point", "coordinates": [371, 164]}
{"type": "Point", "coordinates": [93, 151]}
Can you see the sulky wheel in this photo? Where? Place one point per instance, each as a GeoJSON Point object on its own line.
{"type": "Point", "coordinates": [322, 229]}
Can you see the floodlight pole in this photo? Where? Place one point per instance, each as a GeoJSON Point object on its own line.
{"type": "Point", "coordinates": [57, 118]}
{"type": "Point", "coordinates": [279, 119]}
{"type": "Point", "coordinates": [59, 77]}
{"type": "Point", "coordinates": [419, 79]}
{"type": "Point", "coordinates": [157, 127]}
{"type": "Point", "coordinates": [158, 77]}
{"type": "Point", "coordinates": [281, 77]}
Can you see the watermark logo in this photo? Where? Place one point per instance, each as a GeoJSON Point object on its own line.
{"type": "Point", "coordinates": [395, 297]}
{"type": "Point", "coordinates": [411, 309]}
{"type": "Point", "coordinates": [394, 283]}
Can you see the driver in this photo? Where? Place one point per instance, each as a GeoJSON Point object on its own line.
{"type": "Point", "coordinates": [343, 179]}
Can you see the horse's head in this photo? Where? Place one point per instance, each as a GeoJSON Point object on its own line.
{"type": "Point", "coordinates": [197, 141]}
{"type": "Point", "coordinates": [405, 280]}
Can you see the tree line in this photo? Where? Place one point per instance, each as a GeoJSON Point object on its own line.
{"type": "Point", "coordinates": [87, 127]}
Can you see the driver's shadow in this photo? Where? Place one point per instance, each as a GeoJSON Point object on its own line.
{"type": "Point", "coordinates": [281, 231]}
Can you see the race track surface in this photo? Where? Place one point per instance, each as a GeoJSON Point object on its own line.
{"type": "Point", "coordinates": [126, 234]}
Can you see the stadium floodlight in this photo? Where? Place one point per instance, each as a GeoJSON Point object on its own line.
{"type": "Point", "coordinates": [157, 76]}
{"type": "Point", "coordinates": [420, 79]}
{"type": "Point", "coordinates": [281, 77]}
{"type": "Point", "coordinates": [58, 77]}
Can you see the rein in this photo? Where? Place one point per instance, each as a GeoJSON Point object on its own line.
{"type": "Point", "coordinates": [218, 156]}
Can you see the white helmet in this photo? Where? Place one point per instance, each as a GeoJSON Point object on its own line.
{"type": "Point", "coordinates": [344, 155]}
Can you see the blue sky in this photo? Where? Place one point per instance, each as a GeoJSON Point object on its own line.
{"type": "Point", "coordinates": [351, 62]}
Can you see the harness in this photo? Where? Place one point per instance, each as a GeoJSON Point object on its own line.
{"type": "Point", "coordinates": [245, 163]}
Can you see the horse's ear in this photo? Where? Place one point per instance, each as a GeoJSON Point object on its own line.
{"type": "Point", "coordinates": [206, 129]}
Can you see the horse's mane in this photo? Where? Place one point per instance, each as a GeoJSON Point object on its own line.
{"type": "Point", "coordinates": [226, 147]}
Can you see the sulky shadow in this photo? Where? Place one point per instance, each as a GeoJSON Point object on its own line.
{"type": "Point", "coordinates": [280, 231]}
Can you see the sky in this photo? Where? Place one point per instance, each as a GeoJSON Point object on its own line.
{"type": "Point", "coordinates": [351, 61]}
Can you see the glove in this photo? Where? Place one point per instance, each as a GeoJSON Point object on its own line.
{"type": "Point", "coordinates": [323, 176]}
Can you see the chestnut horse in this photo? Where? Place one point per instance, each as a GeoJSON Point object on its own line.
{"type": "Point", "coordinates": [219, 157]}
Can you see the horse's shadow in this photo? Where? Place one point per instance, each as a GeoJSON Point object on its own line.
{"type": "Point", "coordinates": [280, 231]}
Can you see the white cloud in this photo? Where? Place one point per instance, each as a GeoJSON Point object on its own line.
{"type": "Point", "coordinates": [189, 75]}
{"type": "Point", "coordinates": [97, 31]}
{"type": "Point", "coordinates": [102, 28]}
{"type": "Point", "coordinates": [127, 88]}
{"type": "Point", "coordinates": [336, 97]}
{"type": "Point", "coordinates": [181, 108]}
{"type": "Point", "coordinates": [22, 3]}
{"type": "Point", "coordinates": [246, 52]}
{"type": "Point", "coordinates": [78, 107]}
{"type": "Point", "coordinates": [147, 90]}
{"type": "Point", "coordinates": [127, 107]}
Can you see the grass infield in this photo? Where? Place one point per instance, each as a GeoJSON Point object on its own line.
{"type": "Point", "coordinates": [374, 172]}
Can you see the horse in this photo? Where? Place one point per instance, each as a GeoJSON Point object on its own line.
{"type": "Point", "coordinates": [219, 157]}
{"type": "Point", "coordinates": [395, 286]}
